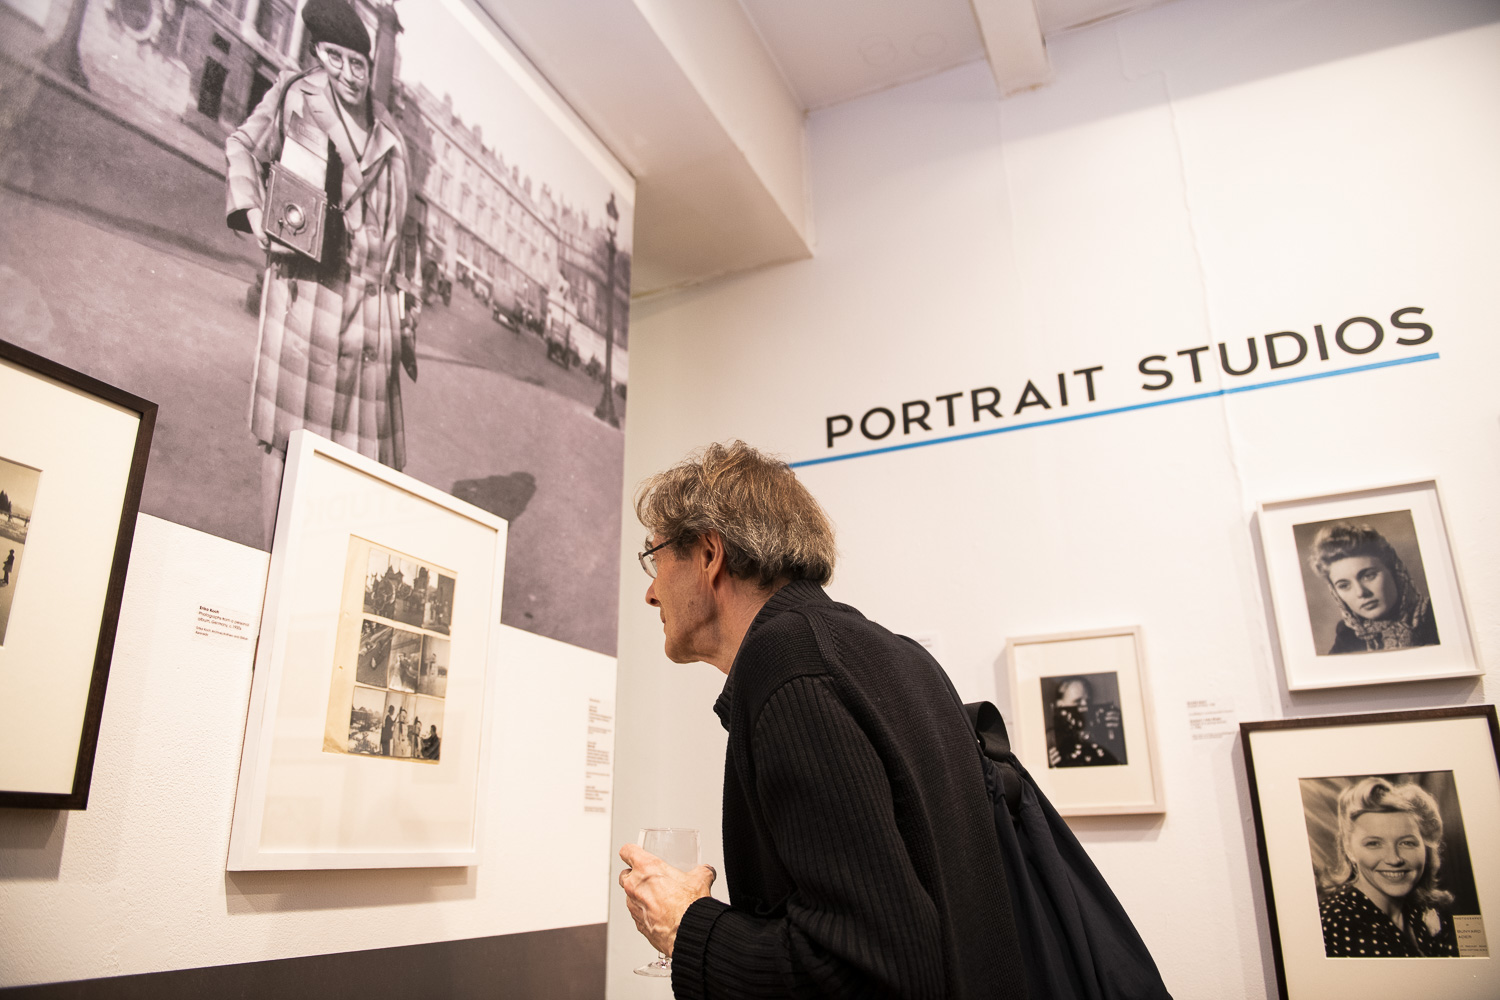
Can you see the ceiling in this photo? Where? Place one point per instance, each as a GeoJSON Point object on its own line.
{"type": "Point", "coordinates": [705, 102]}
{"type": "Point", "coordinates": [831, 51]}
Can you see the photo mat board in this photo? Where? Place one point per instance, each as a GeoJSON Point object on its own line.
{"type": "Point", "coordinates": [1085, 721]}
{"type": "Point", "coordinates": [71, 473]}
{"type": "Point", "coordinates": [1365, 588]}
{"type": "Point", "coordinates": [324, 782]}
{"type": "Point", "coordinates": [1361, 816]}
{"type": "Point", "coordinates": [510, 234]}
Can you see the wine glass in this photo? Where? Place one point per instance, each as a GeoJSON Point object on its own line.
{"type": "Point", "coordinates": [678, 847]}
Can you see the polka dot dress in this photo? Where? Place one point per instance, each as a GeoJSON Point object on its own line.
{"type": "Point", "coordinates": [1354, 927]}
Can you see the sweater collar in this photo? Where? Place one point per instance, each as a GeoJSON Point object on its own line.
{"type": "Point", "coordinates": [796, 594]}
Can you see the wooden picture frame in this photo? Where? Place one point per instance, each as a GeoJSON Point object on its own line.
{"type": "Point", "coordinates": [1084, 719]}
{"type": "Point", "coordinates": [1331, 798]}
{"type": "Point", "coordinates": [1417, 628]}
{"type": "Point", "coordinates": [366, 742]}
{"type": "Point", "coordinates": [72, 466]}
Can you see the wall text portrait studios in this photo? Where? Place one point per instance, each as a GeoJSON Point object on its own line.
{"type": "Point", "coordinates": [1294, 352]}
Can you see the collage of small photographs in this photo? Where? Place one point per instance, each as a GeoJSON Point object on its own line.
{"type": "Point", "coordinates": [401, 679]}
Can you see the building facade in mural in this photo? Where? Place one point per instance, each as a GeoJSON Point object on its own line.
{"type": "Point", "coordinates": [113, 121]}
{"type": "Point", "coordinates": [487, 227]}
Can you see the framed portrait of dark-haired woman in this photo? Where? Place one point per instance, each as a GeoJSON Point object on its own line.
{"type": "Point", "coordinates": [1374, 835]}
{"type": "Point", "coordinates": [1365, 588]}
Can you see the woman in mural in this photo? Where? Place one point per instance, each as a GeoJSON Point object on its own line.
{"type": "Point", "coordinates": [331, 326]}
{"type": "Point", "coordinates": [1380, 606]}
{"type": "Point", "coordinates": [1380, 897]}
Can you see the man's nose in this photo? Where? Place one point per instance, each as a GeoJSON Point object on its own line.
{"type": "Point", "coordinates": [651, 595]}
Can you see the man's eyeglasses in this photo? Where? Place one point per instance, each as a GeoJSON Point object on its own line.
{"type": "Point", "coordinates": [648, 560]}
{"type": "Point", "coordinates": [335, 59]}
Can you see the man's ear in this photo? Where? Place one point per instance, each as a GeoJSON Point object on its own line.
{"type": "Point", "coordinates": [711, 556]}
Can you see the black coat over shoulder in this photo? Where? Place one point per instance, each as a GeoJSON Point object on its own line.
{"type": "Point", "coordinates": [859, 843]}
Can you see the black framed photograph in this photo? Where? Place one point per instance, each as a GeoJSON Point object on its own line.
{"type": "Point", "coordinates": [1375, 835]}
{"type": "Point", "coordinates": [71, 472]}
{"type": "Point", "coordinates": [1365, 588]}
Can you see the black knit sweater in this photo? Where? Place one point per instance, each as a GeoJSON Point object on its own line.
{"type": "Point", "coordinates": [859, 845]}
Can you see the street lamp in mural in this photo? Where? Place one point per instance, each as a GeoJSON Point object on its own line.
{"type": "Point", "coordinates": [606, 408]}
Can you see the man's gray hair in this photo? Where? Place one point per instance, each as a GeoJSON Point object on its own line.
{"type": "Point", "coordinates": [771, 526]}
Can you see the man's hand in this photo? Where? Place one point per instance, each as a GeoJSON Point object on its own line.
{"type": "Point", "coordinates": [657, 894]}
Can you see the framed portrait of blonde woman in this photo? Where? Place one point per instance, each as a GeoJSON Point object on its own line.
{"type": "Point", "coordinates": [1365, 588]}
{"type": "Point", "coordinates": [1373, 833]}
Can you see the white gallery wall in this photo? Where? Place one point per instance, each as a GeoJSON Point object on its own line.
{"type": "Point", "coordinates": [137, 882]}
{"type": "Point", "coordinates": [1204, 172]}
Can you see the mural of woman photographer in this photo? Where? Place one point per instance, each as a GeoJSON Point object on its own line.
{"type": "Point", "coordinates": [331, 318]}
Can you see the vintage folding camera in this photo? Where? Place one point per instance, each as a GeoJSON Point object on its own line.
{"type": "Point", "coordinates": [295, 212]}
{"type": "Point", "coordinates": [296, 204]}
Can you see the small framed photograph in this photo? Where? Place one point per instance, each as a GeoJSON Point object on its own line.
{"type": "Point", "coordinates": [365, 745]}
{"type": "Point", "coordinates": [1084, 720]}
{"type": "Point", "coordinates": [1375, 846]}
{"type": "Point", "coordinates": [73, 454]}
{"type": "Point", "coordinates": [1365, 589]}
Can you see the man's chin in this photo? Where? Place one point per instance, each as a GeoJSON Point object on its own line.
{"type": "Point", "coordinates": [677, 654]}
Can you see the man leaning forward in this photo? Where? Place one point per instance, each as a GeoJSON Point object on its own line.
{"type": "Point", "coordinates": [859, 843]}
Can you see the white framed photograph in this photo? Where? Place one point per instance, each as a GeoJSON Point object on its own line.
{"type": "Point", "coordinates": [1375, 836]}
{"type": "Point", "coordinates": [1365, 588]}
{"type": "Point", "coordinates": [365, 743]}
{"type": "Point", "coordinates": [1084, 720]}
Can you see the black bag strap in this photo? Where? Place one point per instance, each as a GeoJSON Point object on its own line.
{"type": "Point", "coordinates": [989, 729]}
{"type": "Point", "coordinates": [994, 742]}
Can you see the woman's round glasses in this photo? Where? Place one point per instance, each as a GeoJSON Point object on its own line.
{"type": "Point", "coordinates": [647, 559]}
{"type": "Point", "coordinates": [335, 59]}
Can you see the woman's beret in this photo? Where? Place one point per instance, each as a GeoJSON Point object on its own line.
{"type": "Point", "coordinates": [335, 21]}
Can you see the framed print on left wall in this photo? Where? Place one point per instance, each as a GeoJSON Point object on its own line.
{"type": "Point", "coordinates": [73, 456]}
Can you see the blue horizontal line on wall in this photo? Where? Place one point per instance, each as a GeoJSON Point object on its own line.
{"type": "Point", "coordinates": [1116, 409]}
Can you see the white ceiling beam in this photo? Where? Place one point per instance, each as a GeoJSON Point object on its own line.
{"type": "Point", "coordinates": [1013, 41]}
{"type": "Point", "coordinates": [683, 95]}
